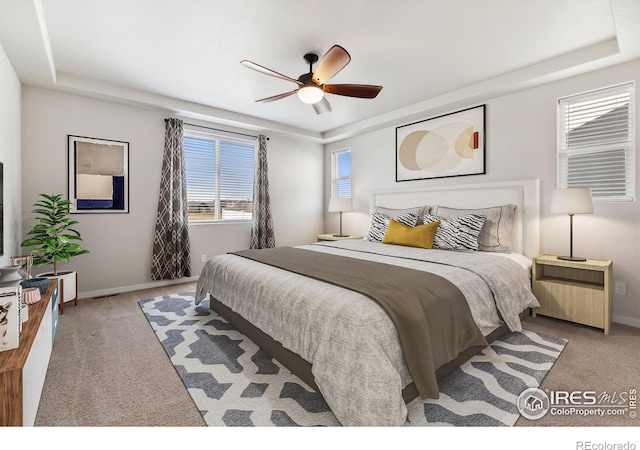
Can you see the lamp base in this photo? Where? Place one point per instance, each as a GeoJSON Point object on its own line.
{"type": "Point", "coordinates": [572, 258]}
{"type": "Point", "coordinates": [340, 235]}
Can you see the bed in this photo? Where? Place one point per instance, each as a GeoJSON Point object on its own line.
{"type": "Point", "coordinates": [350, 348]}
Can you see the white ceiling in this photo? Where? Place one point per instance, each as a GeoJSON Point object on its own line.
{"type": "Point", "coordinates": [184, 55]}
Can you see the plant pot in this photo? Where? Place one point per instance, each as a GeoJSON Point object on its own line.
{"type": "Point", "coordinates": [67, 286]}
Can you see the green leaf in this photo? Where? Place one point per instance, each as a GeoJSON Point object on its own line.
{"type": "Point", "coordinates": [52, 235]}
{"type": "Point", "coordinates": [30, 242]}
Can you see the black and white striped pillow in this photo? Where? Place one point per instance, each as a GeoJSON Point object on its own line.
{"type": "Point", "coordinates": [458, 233]}
{"type": "Point", "coordinates": [380, 223]}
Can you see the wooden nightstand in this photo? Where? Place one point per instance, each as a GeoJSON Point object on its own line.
{"type": "Point", "coordinates": [331, 237]}
{"type": "Point", "coordinates": [580, 292]}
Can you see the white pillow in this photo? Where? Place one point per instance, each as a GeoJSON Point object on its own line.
{"type": "Point", "coordinates": [395, 212]}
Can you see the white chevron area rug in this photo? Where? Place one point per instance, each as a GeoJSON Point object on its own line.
{"type": "Point", "coordinates": [234, 383]}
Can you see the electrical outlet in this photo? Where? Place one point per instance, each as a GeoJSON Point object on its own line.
{"type": "Point", "coordinates": [203, 258]}
{"type": "Point", "coordinates": [621, 288]}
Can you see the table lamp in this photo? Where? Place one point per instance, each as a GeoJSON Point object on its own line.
{"type": "Point", "coordinates": [340, 205]}
{"type": "Point", "coordinates": [571, 201]}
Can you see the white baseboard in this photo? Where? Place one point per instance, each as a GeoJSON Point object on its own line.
{"type": "Point", "coordinates": [135, 287]}
{"type": "Point", "coordinates": [626, 320]}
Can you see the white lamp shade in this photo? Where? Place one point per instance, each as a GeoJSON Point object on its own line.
{"type": "Point", "coordinates": [310, 94]}
{"type": "Point", "coordinates": [340, 205]}
{"type": "Point", "coordinates": [571, 201]}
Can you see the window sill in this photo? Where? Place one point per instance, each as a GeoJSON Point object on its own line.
{"type": "Point", "coordinates": [219, 222]}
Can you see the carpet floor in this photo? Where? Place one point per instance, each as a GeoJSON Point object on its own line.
{"type": "Point", "coordinates": [234, 383]}
{"type": "Point", "coordinates": [108, 369]}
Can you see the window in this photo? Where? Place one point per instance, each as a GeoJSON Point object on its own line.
{"type": "Point", "coordinates": [596, 142]}
{"type": "Point", "coordinates": [341, 174]}
{"type": "Point", "coordinates": [219, 177]}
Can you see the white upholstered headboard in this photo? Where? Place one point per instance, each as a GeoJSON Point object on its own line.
{"type": "Point", "coordinates": [525, 194]}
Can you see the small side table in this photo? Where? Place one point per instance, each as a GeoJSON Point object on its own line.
{"type": "Point", "coordinates": [578, 291]}
{"type": "Point", "coordinates": [331, 237]}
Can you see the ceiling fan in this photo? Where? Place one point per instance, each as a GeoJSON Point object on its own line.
{"type": "Point", "coordinates": [311, 86]}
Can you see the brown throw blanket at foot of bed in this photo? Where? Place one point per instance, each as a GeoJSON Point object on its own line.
{"type": "Point", "coordinates": [431, 314]}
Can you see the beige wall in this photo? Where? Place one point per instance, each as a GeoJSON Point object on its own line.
{"type": "Point", "coordinates": [121, 244]}
{"type": "Point", "coordinates": [521, 144]}
{"type": "Point", "coordinates": [10, 119]}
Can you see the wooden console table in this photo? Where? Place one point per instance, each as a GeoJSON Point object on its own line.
{"type": "Point", "coordinates": [23, 370]}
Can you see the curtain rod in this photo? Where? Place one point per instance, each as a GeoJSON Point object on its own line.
{"type": "Point", "coordinates": [218, 129]}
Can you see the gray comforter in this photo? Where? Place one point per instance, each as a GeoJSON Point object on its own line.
{"type": "Point", "coordinates": [350, 341]}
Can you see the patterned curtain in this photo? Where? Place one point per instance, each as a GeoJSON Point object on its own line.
{"type": "Point", "coordinates": [171, 251]}
{"type": "Point", "coordinates": [262, 234]}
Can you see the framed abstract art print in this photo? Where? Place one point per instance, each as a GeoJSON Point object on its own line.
{"type": "Point", "coordinates": [98, 175]}
{"type": "Point", "coordinates": [450, 145]}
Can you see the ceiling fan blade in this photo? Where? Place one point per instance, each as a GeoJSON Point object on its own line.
{"type": "Point", "coordinates": [353, 90]}
{"type": "Point", "coordinates": [330, 64]}
{"type": "Point", "coordinates": [264, 70]}
{"type": "Point", "coordinates": [277, 97]}
{"type": "Point", "coordinates": [322, 106]}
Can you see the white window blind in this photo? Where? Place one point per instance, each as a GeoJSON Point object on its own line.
{"type": "Point", "coordinates": [596, 143]}
{"type": "Point", "coordinates": [341, 174]}
{"type": "Point", "coordinates": [219, 177]}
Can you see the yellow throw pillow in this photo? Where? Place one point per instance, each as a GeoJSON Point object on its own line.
{"type": "Point", "coordinates": [419, 236]}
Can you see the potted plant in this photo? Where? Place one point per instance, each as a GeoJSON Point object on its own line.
{"type": "Point", "coordinates": [55, 240]}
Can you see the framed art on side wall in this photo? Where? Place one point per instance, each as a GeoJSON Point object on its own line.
{"type": "Point", "coordinates": [98, 175]}
{"type": "Point", "coordinates": [450, 145]}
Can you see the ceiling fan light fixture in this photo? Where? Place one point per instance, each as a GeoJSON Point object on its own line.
{"type": "Point", "coordinates": [312, 86]}
{"type": "Point", "coordinates": [310, 94]}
